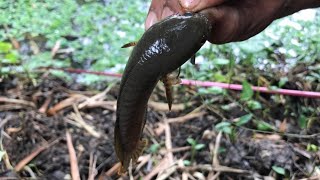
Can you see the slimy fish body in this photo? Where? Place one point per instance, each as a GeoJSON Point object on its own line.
{"type": "Point", "coordinates": [163, 48]}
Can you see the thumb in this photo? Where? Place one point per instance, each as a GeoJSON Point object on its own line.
{"type": "Point", "coordinates": [224, 21]}
{"type": "Point", "coordinates": [197, 5]}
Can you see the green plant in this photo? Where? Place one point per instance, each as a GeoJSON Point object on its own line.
{"type": "Point", "coordinates": [195, 147]}
{"type": "Point", "coordinates": [279, 170]}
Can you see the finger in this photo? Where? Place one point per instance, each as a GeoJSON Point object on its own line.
{"type": "Point", "coordinates": [160, 9]}
{"type": "Point", "coordinates": [171, 7]}
{"type": "Point", "coordinates": [151, 19]}
{"type": "Point", "coordinates": [225, 23]}
{"type": "Point", "coordinates": [155, 12]}
{"type": "Point", "coordinates": [197, 5]}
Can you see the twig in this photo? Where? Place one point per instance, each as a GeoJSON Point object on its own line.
{"type": "Point", "coordinates": [16, 101]}
{"type": "Point", "coordinates": [14, 42]}
{"type": "Point", "coordinates": [179, 149]}
{"type": "Point", "coordinates": [160, 106]}
{"type": "Point", "coordinates": [109, 105]}
{"type": "Point", "coordinates": [208, 167]}
{"type": "Point", "coordinates": [45, 105]}
{"type": "Point", "coordinates": [73, 158]}
{"type": "Point", "coordinates": [317, 177]}
{"type": "Point", "coordinates": [78, 118]}
{"type": "Point", "coordinates": [162, 165]}
{"type": "Point", "coordinates": [29, 170]}
{"type": "Point", "coordinates": [215, 161]}
{"type": "Point", "coordinates": [96, 97]}
{"type": "Point", "coordinates": [66, 103]}
{"type": "Point", "coordinates": [92, 166]}
{"type": "Point", "coordinates": [6, 158]}
{"type": "Point", "coordinates": [55, 48]}
{"type": "Point", "coordinates": [168, 142]}
{"type": "Point", "coordinates": [113, 170]}
{"type": "Point", "coordinates": [186, 117]}
{"type": "Point", "coordinates": [4, 121]}
{"type": "Point", "coordinates": [143, 160]}
{"type": "Point", "coordinates": [31, 156]}
{"type": "Point", "coordinates": [311, 136]}
{"type": "Point", "coordinates": [81, 71]}
{"type": "Point", "coordinates": [8, 107]}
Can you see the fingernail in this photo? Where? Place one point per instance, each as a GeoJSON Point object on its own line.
{"type": "Point", "coordinates": [189, 4]}
{"type": "Point", "coordinates": [166, 12]}
{"type": "Point", "coordinates": [151, 19]}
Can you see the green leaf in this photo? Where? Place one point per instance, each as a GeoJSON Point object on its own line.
{"type": "Point", "coordinates": [312, 148]}
{"type": "Point", "coordinates": [283, 81]}
{"type": "Point", "coordinates": [263, 126]}
{"type": "Point", "coordinates": [221, 61]}
{"type": "Point", "coordinates": [199, 146]}
{"type": "Point", "coordinates": [191, 141]}
{"type": "Point", "coordinates": [224, 127]}
{"type": "Point", "coordinates": [5, 47]}
{"type": "Point", "coordinates": [279, 170]}
{"type": "Point", "coordinates": [222, 124]}
{"type": "Point", "coordinates": [212, 90]}
{"type": "Point", "coordinates": [244, 119]}
{"type": "Point", "coordinates": [186, 162]}
{"type": "Point", "coordinates": [247, 91]}
{"type": "Point", "coordinates": [254, 105]}
{"type": "Point", "coordinates": [11, 58]}
{"type": "Point", "coordinates": [218, 76]}
{"type": "Point", "coordinates": [302, 121]}
{"type": "Point", "coordinates": [154, 148]}
{"type": "Point", "coordinates": [222, 150]}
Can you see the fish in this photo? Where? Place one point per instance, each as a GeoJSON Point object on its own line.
{"type": "Point", "coordinates": [163, 48]}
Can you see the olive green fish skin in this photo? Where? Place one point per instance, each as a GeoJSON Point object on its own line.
{"type": "Point", "coordinates": [163, 48]}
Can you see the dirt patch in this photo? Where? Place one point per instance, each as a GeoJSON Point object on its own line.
{"type": "Point", "coordinates": [27, 125]}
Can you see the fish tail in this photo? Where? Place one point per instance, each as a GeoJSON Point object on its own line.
{"type": "Point", "coordinates": [132, 156]}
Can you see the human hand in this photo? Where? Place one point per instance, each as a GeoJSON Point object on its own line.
{"type": "Point", "coordinates": [232, 20]}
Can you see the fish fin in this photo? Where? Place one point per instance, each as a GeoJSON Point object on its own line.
{"type": "Point", "coordinates": [175, 80]}
{"type": "Point", "coordinates": [130, 44]}
{"type": "Point", "coordinates": [139, 150]}
{"type": "Point", "coordinates": [142, 144]}
{"type": "Point", "coordinates": [117, 143]}
{"type": "Point", "coordinates": [193, 59]}
{"type": "Point", "coordinates": [168, 88]}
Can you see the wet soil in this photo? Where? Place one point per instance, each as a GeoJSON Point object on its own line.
{"type": "Point", "coordinates": [246, 153]}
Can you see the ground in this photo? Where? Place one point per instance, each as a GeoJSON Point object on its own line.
{"type": "Point", "coordinates": [37, 116]}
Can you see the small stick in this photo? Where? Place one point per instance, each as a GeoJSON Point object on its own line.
{"type": "Point", "coordinates": [31, 156]}
{"type": "Point", "coordinates": [92, 166]}
{"type": "Point", "coordinates": [45, 105]}
{"type": "Point", "coordinates": [16, 101]}
{"type": "Point", "coordinates": [208, 167]}
{"type": "Point", "coordinates": [186, 117]}
{"type": "Point", "coordinates": [73, 158]}
{"type": "Point", "coordinates": [78, 118]}
{"type": "Point", "coordinates": [113, 170]}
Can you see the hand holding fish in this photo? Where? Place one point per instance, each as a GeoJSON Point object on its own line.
{"type": "Point", "coordinates": [233, 20]}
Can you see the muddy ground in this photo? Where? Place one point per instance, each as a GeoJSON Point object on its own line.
{"type": "Point", "coordinates": [35, 117]}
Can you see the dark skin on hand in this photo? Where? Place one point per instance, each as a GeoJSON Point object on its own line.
{"type": "Point", "coordinates": [232, 20]}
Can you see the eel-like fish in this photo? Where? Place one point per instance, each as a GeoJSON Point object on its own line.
{"type": "Point", "coordinates": [163, 48]}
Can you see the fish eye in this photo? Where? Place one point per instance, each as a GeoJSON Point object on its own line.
{"type": "Point", "coordinates": [188, 14]}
